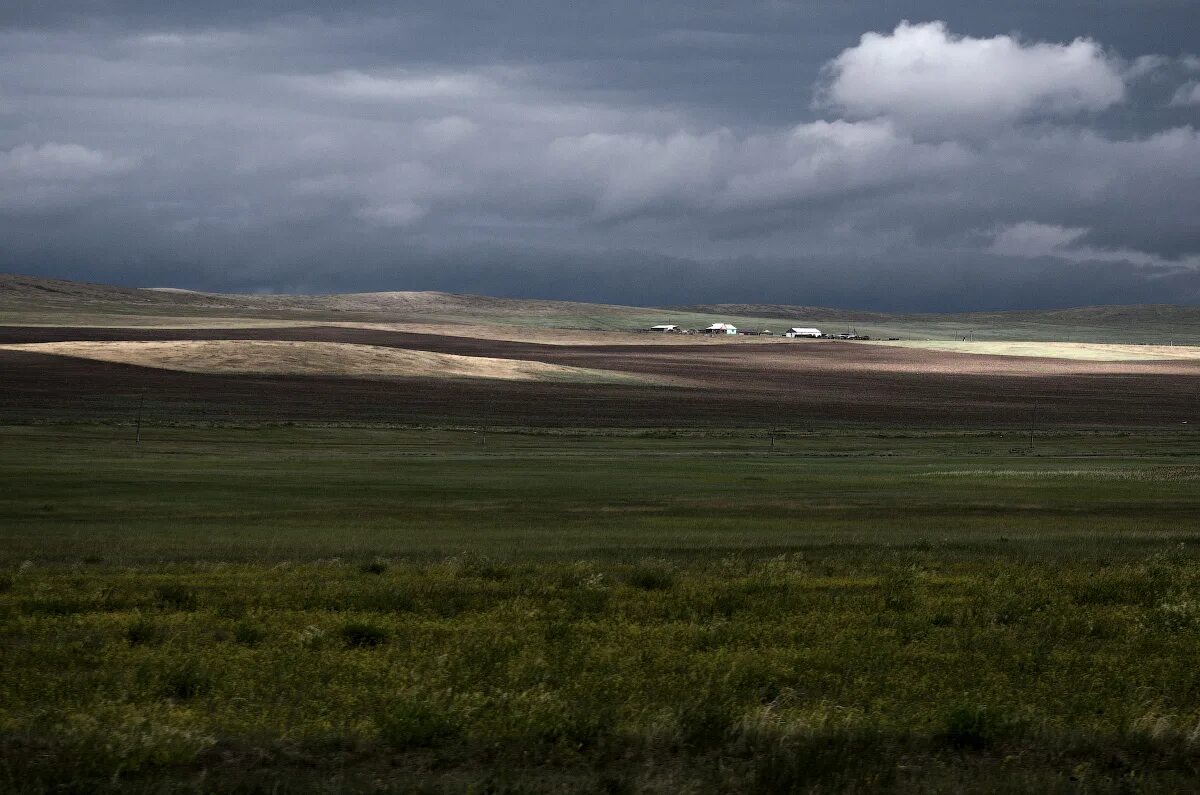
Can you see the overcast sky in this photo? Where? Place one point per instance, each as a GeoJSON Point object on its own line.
{"type": "Point", "coordinates": [893, 155]}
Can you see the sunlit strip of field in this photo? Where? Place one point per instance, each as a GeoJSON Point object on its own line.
{"type": "Point", "coordinates": [313, 358]}
{"type": "Point", "coordinates": [1084, 351]}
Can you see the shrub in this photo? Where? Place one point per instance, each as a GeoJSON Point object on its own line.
{"type": "Point", "coordinates": [376, 566]}
{"type": "Point", "coordinates": [650, 578]}
{"type": "Point", "coordinates": [360, 635]}
{"type": "Point", "coordinates": [248, 634]}
{"type": "Point", "coordinates": [143, 632]}
{"type": "Point", "coordinates": [482, 567]}
{"type": "Point", "coordinates": [187, 681]}
{"type": "Point", "coordinates": [176, 596]}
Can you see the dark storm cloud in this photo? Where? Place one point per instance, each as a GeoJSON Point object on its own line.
{"type": "Point", "coordinates": [632, 152]}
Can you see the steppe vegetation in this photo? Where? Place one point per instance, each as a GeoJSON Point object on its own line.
{"type": "Point", "coordinates": [299, 609]}
{"type": "Point", "coordinates": [413, 542]}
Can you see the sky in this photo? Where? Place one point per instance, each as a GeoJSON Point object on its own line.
{"type": "Point", "coordinates": [914, 156]}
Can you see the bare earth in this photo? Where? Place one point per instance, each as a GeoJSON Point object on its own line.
{"type": "Point", "coordinates": [233, 357]}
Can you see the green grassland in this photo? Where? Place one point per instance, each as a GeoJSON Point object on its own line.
{"type": "Point", "coordinates": [453, 610]}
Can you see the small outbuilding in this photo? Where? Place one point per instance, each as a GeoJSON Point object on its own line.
{"type": "Point", "coordinates": [802, 332]}
{"type": "Point", "coordinates": [665, 328]}
{"type": "Point", "coordinates": [721, 328]}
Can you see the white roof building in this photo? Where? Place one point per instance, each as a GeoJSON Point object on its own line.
{"type": "Point", "coordinates": [721, 328]}
{"type": "Point", "coordinates": [664, 327]}
{"type": "Point", "coordinates": [802, 332]}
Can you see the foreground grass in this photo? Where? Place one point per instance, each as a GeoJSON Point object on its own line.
{"type": "Point", "coordinates": [792, 673]}
{"type": "Point", "coordinates": [323, 610]}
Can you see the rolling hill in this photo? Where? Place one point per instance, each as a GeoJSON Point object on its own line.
{"type": "Point", "coordinates": [30, 300]}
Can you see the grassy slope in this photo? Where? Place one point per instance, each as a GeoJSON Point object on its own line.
{"type": "Point", "coordinates": [922, 612]}
{"type": "Point", "coordinates": [30, 300]}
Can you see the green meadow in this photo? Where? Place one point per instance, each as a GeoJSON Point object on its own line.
{"type": "Point", "coordinates": [503, 610]}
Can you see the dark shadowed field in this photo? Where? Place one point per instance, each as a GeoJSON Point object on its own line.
{"type": "Point", "coordinates": [798, 385]}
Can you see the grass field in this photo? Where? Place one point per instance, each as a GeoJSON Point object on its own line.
{"type": "Point", "coordinates": [418, 542]}
{"type": "Point", "coordinates": [324, 608]}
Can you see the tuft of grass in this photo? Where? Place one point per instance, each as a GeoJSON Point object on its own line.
{"type": "Point", "coordinates": [248, 634]}
{"type": "Point", "coordinates": [175, 596]}
{"type": "Point", "coordinates": [187, 680]}
{"type": "Point", "coordinates": [483, 568]}
{"type": "Point", "coordinates": [651, 578]}
{"type": "Point", "coordinates": [144, 633]}
{"type": "Point", "coordinates": [898, 591]}
{"type": "Point", "coordinates": [376, 566]}
{"type": "Point", "coordinates": [413, 723]}
{"type": "Point", "coordinates": [361, 635]}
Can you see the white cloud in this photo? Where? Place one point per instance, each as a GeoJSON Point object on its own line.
{"type": "Point", "coordinates": [1188, 94]}
{"type": "Point", "coordinates": [626, 172]}
{"type": "Point", "coordinates": [1030, 239]}
{"type": "Point", "coordinates": [207, 40]}
{"type": "Point", "coordinates": [353, 84]}
{"type": "Point", "coordinates": [53, 175]}
{"type": "Point", "coordinates": [402, 213]}
{"type": "Point", "coordinates": [833, 159]}
{"type": "Point", "coordinates": [55, 162]}
{"type": "Point", "coordinates": [1146, 65]}
{"type": "Point", "coordinates": [928, 78]}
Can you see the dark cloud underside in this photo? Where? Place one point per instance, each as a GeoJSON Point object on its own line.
{"type": "Point", "coordinates": [975, 155]}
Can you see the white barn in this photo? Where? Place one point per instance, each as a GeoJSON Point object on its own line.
{"type": "Point", "coordinates": [802, 332]}
{"type": "Point", "coordinates": [665, 328]}
{"type": "Point", "coordinates": [721, 328]}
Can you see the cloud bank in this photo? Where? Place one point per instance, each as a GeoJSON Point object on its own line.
{"type": "Point", "coordinates": [302, 153]}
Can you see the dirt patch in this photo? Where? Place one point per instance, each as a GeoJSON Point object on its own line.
{"type": "Point", "coordinates": [257, 357]}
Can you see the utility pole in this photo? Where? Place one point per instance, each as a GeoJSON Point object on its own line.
{"type": "Point", "coordinates": [137, 439]}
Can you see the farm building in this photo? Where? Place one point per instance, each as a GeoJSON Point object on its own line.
{"type": "Point", "coordinates": [802, 332]}
{"type": "Point", "coordinates": [666, 329]}
{"type": "Point", "coordinates": [721, 328]}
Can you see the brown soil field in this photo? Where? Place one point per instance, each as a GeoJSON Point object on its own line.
{"type": "Point", "coordinates": [338, 359]}
{"type": "Point", "coordinates": [805, 384]}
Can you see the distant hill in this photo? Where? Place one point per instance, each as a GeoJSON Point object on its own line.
{"type": "Point", "coordinates": [1117, 313]}
{"type": "Point", "coordinates": [798, 313]}
{"type": "Point", "coordinates": [1141, 323]}
{"type": "Point", "coordinates": [28, 300]}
